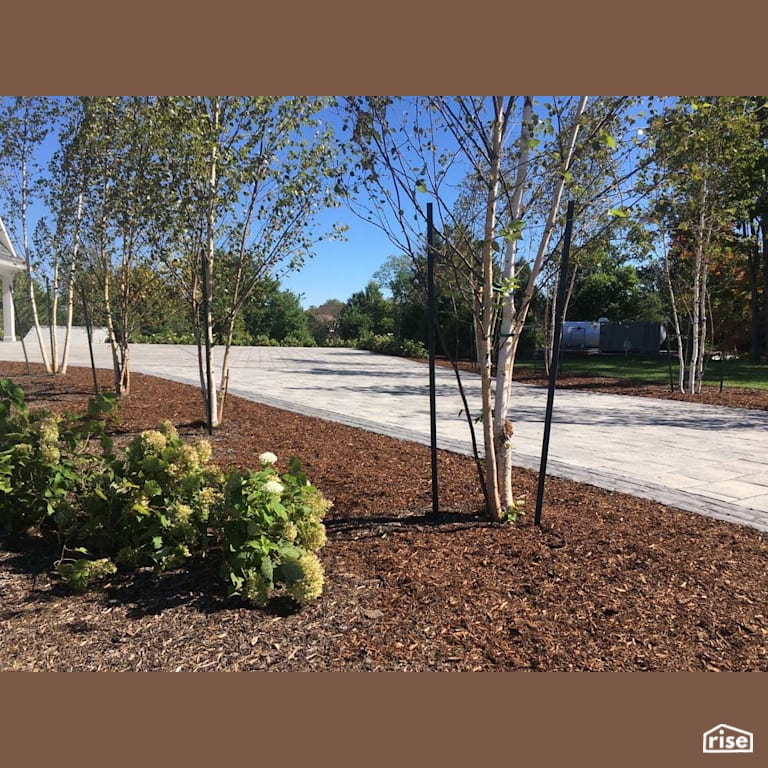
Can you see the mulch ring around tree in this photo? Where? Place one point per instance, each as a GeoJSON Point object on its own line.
{"type": "Point", "coordinates": [609, 582]}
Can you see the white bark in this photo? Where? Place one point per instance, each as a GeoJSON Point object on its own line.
{"type": "Point", "coordinates": [54, 311]}
{"type": "Point", "coordinates": [212, 402]}
{"type": "Point", "coordinates": [485, 337]}
{"type": "Point", "coordinates": [30, 270]}
{"type": "Point", "coordinates": [502, 429]}
{"type": "Point", "coordinates": [675, 322]}
{"type": "Point", "coordinates": [696, 323]}
{"type": "Point", "coordinates": [71, 284]}
{"type": "Point", "coordinates": [514, 319]}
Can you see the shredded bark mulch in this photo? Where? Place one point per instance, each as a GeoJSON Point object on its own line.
{"type": "Point", "coordinates": [609, 582]}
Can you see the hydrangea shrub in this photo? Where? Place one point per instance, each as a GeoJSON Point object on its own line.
{"type": "Point", "coordinates": [161, 504]}
{"type": "Point", "coordinates": [45, 460]}
{"type": "Point", "coordinates": [271, 528]}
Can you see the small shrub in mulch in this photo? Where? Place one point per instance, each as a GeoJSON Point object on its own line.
{"type": "Point", "coordinates": [159, 504]}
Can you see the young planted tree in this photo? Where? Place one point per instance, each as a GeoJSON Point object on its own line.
{"type": "Point", "coordinates": [256, 172]}
{"type": "Point", "coordinates": [513, 158]}
{"type": "Point", "coordinates": [705, 148]}
{"type": "Point", "coordinates": [25, 122]}
{"type": "Point", "coordinates": [409, 149]}
{"type": "Point", "coordinates": [64, 198]}
{"type": "Point", "coordinates": [116, 147]}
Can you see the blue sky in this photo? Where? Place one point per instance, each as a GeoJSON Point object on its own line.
{"type": "Point", "coordinates": [340, 268]}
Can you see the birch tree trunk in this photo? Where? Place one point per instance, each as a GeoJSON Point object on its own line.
{"type": "Point", "coordinates": [207, 270]}
{"type": "Point", "coordinates": [54, 310]}
{"type": "Point", "coordinates": [71, 284]}
{"type": "Point", "coordinates": [515, 321]}
{"type": "Point", "coordinates": [30, 270]}
{"type": "Point", "coordinates": [106, 292]}
{"type": "Point", "coordinates": [703, 314]}
{"type": "Point", "coordinates": [698, 299]}
{"type": "Point", "coordinates": [695, 322]}
{"type": "Point", "coordinates": [676, 323]}
{"type": "Point", "coordinates": [129, 243]}
{"type": "Point", "coordinates": [485, 335]}
{"type": "Point", "coordinates": [502, 427]}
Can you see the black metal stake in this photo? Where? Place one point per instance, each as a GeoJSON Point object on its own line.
{"type": "Point", "coordinates": [89, 334]}
{"type": "Point", "coordinates": [431, 342]}
{"type": "Point", "coordinates": [722, 369]}
{"type": "Point", "coordinates": [559, 310]}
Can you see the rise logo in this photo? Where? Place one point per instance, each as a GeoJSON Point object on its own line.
{"type": "Point", "coordinates": [727, 739]}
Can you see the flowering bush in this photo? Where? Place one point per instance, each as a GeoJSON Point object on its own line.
{"type": "Point", "coordinates": [162, 504]}
{"type": "Point", "coordinates": [45, 460]}
{"type": "Point", "coordinates": [270, 528]}
{"type": "Point", "coordinates": [79, 574]}
{"type": "Point", "coordinates": [152, 506]}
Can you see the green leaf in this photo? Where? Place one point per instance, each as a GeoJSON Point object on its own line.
{"type": "Point", "coordinates": [294, 468]}
{"type": "Point", "coordinates": [608, 140]}
{"type": "Point", "coordinates": [513, 230]}
{"type": "Point", "coordinates": [267, 568]}
{"type": "Point", "coordinates": [289, 550]}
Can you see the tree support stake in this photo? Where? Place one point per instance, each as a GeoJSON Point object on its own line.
{"type": "Point", "coordinates": [559, 311]}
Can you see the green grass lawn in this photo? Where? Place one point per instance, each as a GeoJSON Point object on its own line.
{"type": "Point", "coordinates": [655, 369]}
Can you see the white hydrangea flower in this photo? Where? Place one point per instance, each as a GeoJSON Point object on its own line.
{"type": "Point", "coordinates": [268, 458]}
{"type": "Point", "coordinates": [272, 486]}
{"type": "Point", "coordinates": [155, 439]}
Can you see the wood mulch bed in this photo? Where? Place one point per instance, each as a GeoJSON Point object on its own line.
{"type": "Point", "coordinates": [609, 582]}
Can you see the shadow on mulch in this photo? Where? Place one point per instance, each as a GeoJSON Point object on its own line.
{"type": "Point", "coordinates": [200, 589]}
{"type": "Point", "coordinates": [363, 527]}
{"type": "Point", "coordinates": [144, 592]}
{"type": "Point", "coordinates": [374, 525]}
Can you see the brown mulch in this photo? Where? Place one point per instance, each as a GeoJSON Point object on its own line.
{"type": "Point", "coordinates": [609, 582]}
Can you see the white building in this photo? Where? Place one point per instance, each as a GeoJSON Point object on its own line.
{"type": "Point", "coordinates": [10, 264]}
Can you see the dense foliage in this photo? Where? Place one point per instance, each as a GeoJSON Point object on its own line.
{"type": "Point", "coordinates": [159, 504]}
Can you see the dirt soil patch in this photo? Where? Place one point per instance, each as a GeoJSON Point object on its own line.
{"type": "Point", "coordinates": [609, 582]}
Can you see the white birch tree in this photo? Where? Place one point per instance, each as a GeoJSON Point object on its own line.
{"type": "Point", "coordinates": [250, 175]}
{"type": "Point", "coordinates": [704, 150]}
{"type": "Point", "coordinates": [25, 122]}
{"type": "Point", "coordinates": [399, 162]}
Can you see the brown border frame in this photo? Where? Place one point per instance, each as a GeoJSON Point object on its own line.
{"type": "Point", "coordinates": [533, 719]}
